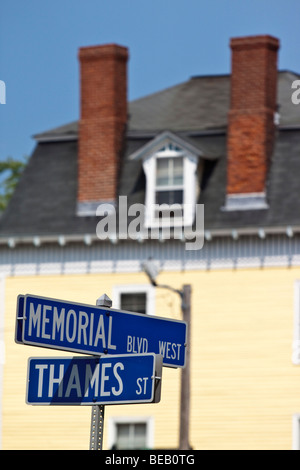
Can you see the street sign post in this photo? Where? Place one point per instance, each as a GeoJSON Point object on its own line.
{"type": "Point", "coordinates": [125, 352]}
{"type": "Point", "coordinates": [104, 380]}
{"type": "Point", "coordinates": [88, 329]}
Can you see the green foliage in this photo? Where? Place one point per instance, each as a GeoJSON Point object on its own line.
{"type": "Point", "coordinates": [10, 172]}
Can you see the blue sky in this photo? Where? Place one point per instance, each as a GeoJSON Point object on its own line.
{"type": "Point", "coordinates": [169, 41]}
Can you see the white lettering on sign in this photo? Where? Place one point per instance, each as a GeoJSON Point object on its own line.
{"type": "Point", "coordinates": [45, 321]}
{"type": "Point", "coordinates": [34, 319]}
{"type": "Point", "coordinates": [74, 382]}
{"type": "Point", "coordinates": [48, 322]}
{"type": "Point", "coordinates": [103, 382]}
{"type": "Point", "coordinates": [41, 368]}
{"type": "Point", "coordinates": [104, 377]}
{"type": "Point", "coordinates": [137, 345]}
{"type": "Point", "coordinates": [169, 350]}
{"type": "Point", "coordinates": [82, 326]}
{"type": "Point", "coordinates": [91, 380]}
{"type": "Point", "coordinates": [58, 380]}
{"type": "Point", "coordinates": [139, 383]}
{"type": "Point", "coordinates": [58, 323]}
{"type": "Point", "coordinates": [71, 330]}
{"type": "Point", "coordinates": [116, 392]}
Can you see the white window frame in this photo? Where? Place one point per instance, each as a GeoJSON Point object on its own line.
{"type": "Point", "coordinates": [169, 155]}
{"type": "Point", "coordinates": [190, 162]}
{"type": "Point", "coordinates": [132, 289]}
{"type": "Point", "coordinates": [115, 420]}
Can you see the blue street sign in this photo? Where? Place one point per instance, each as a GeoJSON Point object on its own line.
{"type": "Point", "coordinates": [81, 328]}
{"type": "Point", "coordinates": [94, 380]}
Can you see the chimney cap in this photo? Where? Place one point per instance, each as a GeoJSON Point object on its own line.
{"type": "Point", "coordinates": [106, 50]}
{"type": "Point", "coordinates": [249, 42]}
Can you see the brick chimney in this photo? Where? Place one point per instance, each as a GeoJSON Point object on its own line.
{"type": "Point", "coordinates": [251, 130]}
{"type": "Point", "coordinates": [103, 117]}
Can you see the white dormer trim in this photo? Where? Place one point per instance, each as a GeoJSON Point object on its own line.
{"type": "Point", "coordinates": [165, 137]}
{"type": "Point", "coordinates": [169, 145]}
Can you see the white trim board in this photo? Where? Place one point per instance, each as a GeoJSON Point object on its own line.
{"type": "Point", "coordinates": [221, 253]}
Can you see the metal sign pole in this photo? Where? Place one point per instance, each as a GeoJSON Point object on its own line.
{"type": "Point", "coordinates": [97, 427]}
{"type": "Point", "coordinates": [97, 420]}
{"type": "Point", "coordinates": [184, 442]}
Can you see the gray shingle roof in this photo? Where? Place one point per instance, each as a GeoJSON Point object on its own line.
{"type": "Point", "coordinates": [44, 202]}
{"type": "Point", "coordinates": [199, 104]}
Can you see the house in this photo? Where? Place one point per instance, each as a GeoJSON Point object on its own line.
{"type": "Point", "coordinates": [88, 211]}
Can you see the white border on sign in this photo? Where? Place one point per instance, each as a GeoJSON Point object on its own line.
{"type": "Point", "coordinates": [106, 356]}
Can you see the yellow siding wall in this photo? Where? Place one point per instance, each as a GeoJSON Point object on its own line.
{"type": "Point", "coordinates": [245, 389]}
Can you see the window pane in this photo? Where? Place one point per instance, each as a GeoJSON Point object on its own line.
{"type": "Point", "coordinates": [134, 302]}
{"type": "Point", "coordinates": [162, 171]}
{"type": "Point", "coordinates": [140, 436]}
{"type": "Point", "coordinates": [131, 436]}
{"type": "Point", "coordinates": [178, 171]}
{"type": "Point", "coordinates": [169, 197]}
{"type": "Point", "coordinates": [123, 436]}
{"type": "Point", "coordinates": [169, 171]}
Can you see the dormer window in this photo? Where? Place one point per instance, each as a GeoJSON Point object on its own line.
{"type": "Point", "coordinates": [169, 184]}
{"type": "Point", "coordinates": [170, 165]}
{"type": "Point", "coordinates": [169, 187]}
